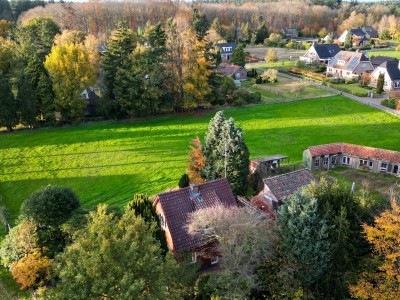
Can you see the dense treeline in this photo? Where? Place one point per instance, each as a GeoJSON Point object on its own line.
{"type": "Point", "coordinates": [160, 67]}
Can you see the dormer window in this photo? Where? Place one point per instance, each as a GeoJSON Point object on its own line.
{"type": "Point", "coordinates": [341, 62]}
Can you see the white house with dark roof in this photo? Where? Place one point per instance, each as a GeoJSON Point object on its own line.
{"type": "Point", "coordinates": [359, 36]}
{"type": "Point", "coordinates": [380, 59]}
{"type": "Point", "coordinates": [348, 65]}
{"type": "Point", "coordinates": [391, 72]}
{"type": "Point", "coordinates": [320, 53]}
{"type": "Point", "coordinates": [227, 50]}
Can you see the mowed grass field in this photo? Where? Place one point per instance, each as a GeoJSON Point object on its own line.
{"type": "Point", "coordinates": [111, 161]}
{"type": "Point", "coordinates": [391, 53]}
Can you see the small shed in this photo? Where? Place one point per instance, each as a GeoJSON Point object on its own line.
{"type": "Point", "coordinates": [268, 165]}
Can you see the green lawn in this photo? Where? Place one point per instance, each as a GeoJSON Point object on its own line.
{"type": "Point", "coordinates": [281, 91]}
{"type": "Point", "coordinates": [111, 161]}
{"type": "Point", "coordinates": [391, 53]}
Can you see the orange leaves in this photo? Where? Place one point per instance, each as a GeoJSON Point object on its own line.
{"type": "Point", "coordinates": [383, 280]}
{"type": "Point", "coordinates": [196, 161]}
{"type": "Point", "coordinates": [32, 270]}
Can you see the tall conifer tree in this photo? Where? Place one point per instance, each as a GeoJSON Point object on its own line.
{"type": "Point", "coordinates": [8, 106]}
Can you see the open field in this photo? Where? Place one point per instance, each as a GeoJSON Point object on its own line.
{"type": "Point", "coordinates": [391, 53]}
{"type": "Point", "coordinates": [110, 161]}
{"type": "Point", "coordinates": [283, 53]}
{"type": "Point", "coordinates": [282, 91]}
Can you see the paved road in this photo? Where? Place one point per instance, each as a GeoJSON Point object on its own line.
{"type": "Point", "coordinates": [375, 102]}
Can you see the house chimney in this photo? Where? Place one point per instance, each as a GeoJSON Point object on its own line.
{"type": "Point", "coordinates": [194, 188]}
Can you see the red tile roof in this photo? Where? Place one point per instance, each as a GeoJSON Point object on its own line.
{"type": "Point", "coordinates": [228, 69]}
{"type": "Point", "coordinates": [282, 186]}
{"type": "Point", "coordinates": [178, 204]}
{"type": "Point", "coordinates": [357, 150]}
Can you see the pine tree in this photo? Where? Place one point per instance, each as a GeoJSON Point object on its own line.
{"type": "Point", "coordinates": [183, 181]}
{"type": "Point", "coordinates": [238, 57]}
{"type": "Point", "coordinates": [200, 24]}
{"type": "Point", "coordinates": [305, 235]}
{"type": "Point", "coordinates": [216, 25]}
{"type": "Point", "coordinates": [26, 101]}
{"type": "Point", "coordinates": [226, 153]}
{"type": "Point", "coordinates": [261, 33]}
{"type": "Point", "coordinates": [8, 105]}
{"type": "Point", "coordinates": [379, 84]}
{"type": "Point", "coordinates": [119, 47]}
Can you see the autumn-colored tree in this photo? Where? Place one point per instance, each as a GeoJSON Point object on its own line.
{"type": "Point", "coordinates": [32, 270]}
{"type": "Point", "coordinates": [4, 28]}
{"type": "Point", "coordinates": [271, 56]}
{"type": "Point", "coordinates": [196, 72]}
{"type": "Point", "coordinates": [382, 280]}
{"type": "Point", "coordinates": [71, 71]}
{"type": "Point", "coordinates": [196, 161]}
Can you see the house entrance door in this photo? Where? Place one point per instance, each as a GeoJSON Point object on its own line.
{"type": "Point", "coordinates": [395, 169]}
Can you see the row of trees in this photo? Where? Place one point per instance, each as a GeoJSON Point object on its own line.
{"type": "Point", "coordinates": [157, 68]}
{"type": "Point", "coordinates": [99, 18]}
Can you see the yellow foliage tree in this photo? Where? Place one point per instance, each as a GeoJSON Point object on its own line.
{"type": "Point", "coordinates": [271, 56]}
{"type": "Point", "coordinates": [196, 72]}
{"type": "Point", "coordinates": [32, 270]}
{"type": "Point", "coordinates": [382, 281]}
{"type": "Point", "coordinates": [72, 71]}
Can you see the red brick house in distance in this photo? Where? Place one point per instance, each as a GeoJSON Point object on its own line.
{"type": "Point", "coordinates": [174, 207]}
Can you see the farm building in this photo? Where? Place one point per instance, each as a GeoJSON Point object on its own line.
{"type": "Point", "coordinates": [348, 65]}
{"type": "Point", "coordinates": [234, 71]}
{"type": "Point", "coordinates": [320, 53]}
{"type": "Point", "coordinates": [391, 72]}
{"type": "Point", "coordinates": [174, 207]}
{"type": "Point", "coordinates": [267, 165]}
{"type": "Point", "coordinates": [329, 156]}
{"type": "Point", "coordinates": [226, 50]}
{"type": "Point", "coordinates": [278, 188]}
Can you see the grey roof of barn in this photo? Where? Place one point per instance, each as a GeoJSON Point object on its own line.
{"type": "Point", "coordinates": [178, 204]}
{"type": "Point", "coordinates": [282, 186]}
{"type": "Point", "coordinates": [392, 67]}
{"type": "Point", "coordinates": [224, 46]}
{"type": "Point", "coordinates": [326, 50]}
{"type": "Point", "coordinates": [269, 158]}
{"type": "Point", "coordinates": [378, 60]}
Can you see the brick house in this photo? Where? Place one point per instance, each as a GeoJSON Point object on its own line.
{"type": "Point", "coordinates": [348, 65]}
{"type": "Point", "coordinates": [328, 156]}
{"type": "Point", "coordinates": [278, 188]}
{"type": "Point", "coordinates": [174, 208]}
{"type": "Point", "coordinates": [234, 71]}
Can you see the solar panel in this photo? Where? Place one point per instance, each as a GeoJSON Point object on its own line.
{"type": "Point", "coordinates": [334, 60]}
{"type": "Point", "coordinates": [353, 63]}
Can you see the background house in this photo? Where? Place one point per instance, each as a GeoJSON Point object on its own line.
{"type": "Point", "coordinates": [290, 33]}
{"type": "Point", "coordinates": [92, 100]}
{"type": "Point", "coordinates": [379, 59]}
{"type": "Point", "coordinates": [234, 71]}
{"type": "Point", "coordinates": [391, 72]}
{"type": "Point", "coordinates": [329, 156]}
{"type": "Point", "coordinates": [358, 35]}
{"type": "Point", "coordinates": [370, 32]}
{"type": "Point", "coordinates": [174, 207]}
{"type": "Point", "coordinates": [320, 53]}
{"type": "Point", "coordinates": [348, 65]}
{"type": "Point", "coordinates": [226, 51]}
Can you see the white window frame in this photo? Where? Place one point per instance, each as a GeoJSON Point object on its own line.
{"type": "Point", "coordinates": [325, 161]}
{"type": "Point", "coordinates": [346, 160]}
{"type": "Point", "coordinates": [214, 260]}
{"type": "Point", "coordinates": [384, 168]}
{"type": "Point", "coordinates": [317, 162]}
{"type": "Point", "coordinates": [363, 162]}
{"type": "Point", "coordinates": [333, 160]}
{"type": "Point", "coordinates": [194, 257]}
{"type": "Point", "coordinates": [370, 163]}
{"type": "Point", "coordinates": [162, 221]}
